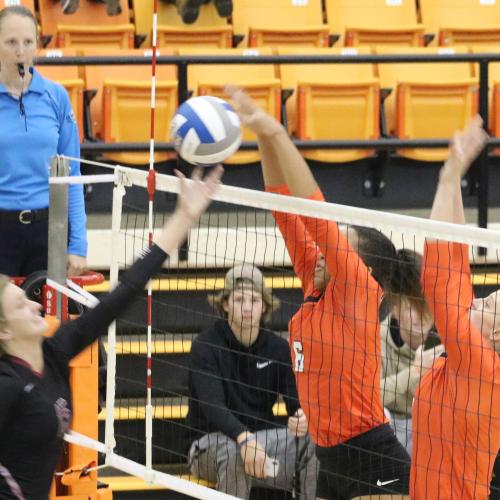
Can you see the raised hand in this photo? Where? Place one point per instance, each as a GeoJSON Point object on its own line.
{"type": "Point", "coordinates": [251, 115]}
{"type": "Point", "coordinates": [196, 195]}
{"type": "Point", "coordinates": [464, 149]}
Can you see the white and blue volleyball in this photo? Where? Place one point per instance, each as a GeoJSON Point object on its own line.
{"type": "Point", "coordinates": [205, 130]}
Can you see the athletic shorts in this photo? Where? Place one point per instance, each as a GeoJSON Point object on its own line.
{"type": "Point", "coordinates": [373, 463]}
{"type": "Point", "coordinates": [495, 481]}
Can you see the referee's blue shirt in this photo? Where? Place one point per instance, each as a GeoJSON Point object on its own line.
{"type": "Point", "coordinates": [26, 150]}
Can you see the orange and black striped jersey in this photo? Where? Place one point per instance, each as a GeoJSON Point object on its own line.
{"type": "Point", "coordinates": [456, 411]}
{"type": "Point", "coordinates": [334, 336]}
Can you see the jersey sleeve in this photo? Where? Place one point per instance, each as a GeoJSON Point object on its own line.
{"type": "Point", "coordinates": [352, 284]}
{"type": "Point", "coordinates": [69, 145]}
{"type": "Point", "coordinates": [74, 336]}
{"type": "Point", "coordinates": [208, 389]}
{"type": "Point", "coordinates": [301, 248]}
{"type": "Point", "coordinates": [447, 286]}
{"type": "Point", "coordinates": [286, 381]}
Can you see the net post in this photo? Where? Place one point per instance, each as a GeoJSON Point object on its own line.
{"type": "Point", "coordinates": [56, 303]}
{"type": "Point", "coordinates": [118, 194]}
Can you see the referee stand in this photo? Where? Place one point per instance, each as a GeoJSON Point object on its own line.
{"type": "Point", "coordinates": [76, 476]}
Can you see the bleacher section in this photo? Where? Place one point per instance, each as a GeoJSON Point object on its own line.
{"type": "Point", "coordinates": [374, 100]}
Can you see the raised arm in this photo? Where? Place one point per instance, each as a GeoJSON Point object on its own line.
{"type": "Point", "coordinates": [282, 163]}
{"type": "Point", "coordinates": [275, 150]}
{"type": "Point", "coordinates": [466, 145]}
{"type": "Point", "coordinates": [193, 200]}
{"type": "Point", "coordinates": [446, 276]}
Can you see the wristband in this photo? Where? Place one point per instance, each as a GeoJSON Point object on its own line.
{"type": "Point", "coordinates": [247, 440]}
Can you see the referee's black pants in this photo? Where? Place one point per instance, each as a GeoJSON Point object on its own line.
{"type": "Point", "coordinates": [23, 247]}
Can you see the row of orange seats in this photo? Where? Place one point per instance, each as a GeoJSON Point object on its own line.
{"type": "Point", "coordinates": [328, 101]}
{"type": "Point", "coordinates": [276, 23]}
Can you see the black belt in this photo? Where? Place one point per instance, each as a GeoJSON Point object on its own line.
{"type": "Point", "coordinates": [24, 216]}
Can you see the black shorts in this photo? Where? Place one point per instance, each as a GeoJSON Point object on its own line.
{"type": "Point", "coordinates": [495, 481]}
{"type": "Point", "coordinates": [373, 463]}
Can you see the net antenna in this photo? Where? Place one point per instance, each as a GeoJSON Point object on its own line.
{"type": "Point", "coordinates": [118, 193]}
{"type": "Point", "coordinates": [151, 192]}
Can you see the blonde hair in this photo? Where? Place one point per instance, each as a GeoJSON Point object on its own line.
{"type": "Point", "coordinates": [18, 10]}
{"type": "Point", "coordinates": [4, 281]}
{"type": "Point", "coordinates": [271, 302]}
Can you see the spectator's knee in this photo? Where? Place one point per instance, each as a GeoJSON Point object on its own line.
{"type": "Point", "coordinates": [229, 454]}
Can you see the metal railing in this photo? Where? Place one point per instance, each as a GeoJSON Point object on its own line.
{"type": "Point", "coordinates": [183, 62]}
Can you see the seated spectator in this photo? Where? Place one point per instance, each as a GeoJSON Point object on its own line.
{"type": "Point", "coordinates": [113, 7]}
{"type": "Point", "coordinates": [189, 10]}
{"type": "Point", "coordinates": [406, 353]}
{"type": "Point", "coordinates": [238, 368]}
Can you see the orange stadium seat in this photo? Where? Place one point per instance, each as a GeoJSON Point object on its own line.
{"type": "Point", "coordinates": [210, 30]}
{"type": "Point", "coordinates": [280, 22]}
{"type": "Point", "coordinates": [89, 27]}
{"type": "Point", "coordinates": [462, 22]}
{"type": "Point", "coordinates": [120, 110]}
{"type": "Point", "coordinates": [258, 79]}
{"type": "Point", "coordinates": [30, 4]}
{"type": "Point", "coordinates": [375, 22]}
{"type": "Point", "coordinates": [428, 100]}
{"type": "Point", "coordinates": [69, 77]}
{"type": "Point", "coordinates": [332, 101]}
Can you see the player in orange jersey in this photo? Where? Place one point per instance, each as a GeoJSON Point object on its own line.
{"type": "Point", "coordinates": [335, 334]}
{"type": "Point", "coordinates": [456, 411]}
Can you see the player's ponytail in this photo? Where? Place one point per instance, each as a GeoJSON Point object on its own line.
{"type": "Point", "coordinates": [378, 253]}
{"type": "Point", "coordinates": [397, 271]}
{"type": "Point", "coordinates": [405, 280]}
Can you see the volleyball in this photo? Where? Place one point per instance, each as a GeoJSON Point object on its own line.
{"type": "Point", "coordinates": [205, 130]}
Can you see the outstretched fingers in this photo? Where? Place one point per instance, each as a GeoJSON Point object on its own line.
{"type": "Point", "coordinates": [212, 181]}
{"type": "Point", "coordinates": [474, 138]}
{"type": "Point", "coordinates": [242, 101]}
{"type": "Point", "coordinates": [465, 147]}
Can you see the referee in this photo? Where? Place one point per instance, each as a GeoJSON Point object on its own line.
{"type": "Point", "coordinates": [36, 123]}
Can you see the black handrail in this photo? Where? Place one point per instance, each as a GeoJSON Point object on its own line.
{"type": "Point", "coordinates": [102, 147]}
{"type": "Point", "coordinates": [182, 63]}
{"type": "Point", "coordinates": [266, 59]}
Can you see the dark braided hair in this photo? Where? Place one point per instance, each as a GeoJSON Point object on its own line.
{"type": "Point", "coordinates": [397, 271]}
{"type": "Point", "coordinates": [378, 253]}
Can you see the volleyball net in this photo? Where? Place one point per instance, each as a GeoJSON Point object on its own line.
{"type": "Point", "coordinates": [352, 351]}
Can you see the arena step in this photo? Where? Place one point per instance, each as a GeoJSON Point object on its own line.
{"type": "Point", "coordinates": [171, 436]}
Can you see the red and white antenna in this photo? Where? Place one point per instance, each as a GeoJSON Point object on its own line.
{"type": "Point", "coordinates": [151, 192]}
